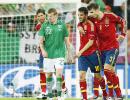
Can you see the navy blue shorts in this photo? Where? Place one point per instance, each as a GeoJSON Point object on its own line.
{"type": "Point", "coordinates": [109, 56]}
{"type": "Point", "coordinates": [41, 61]}
{"type": "Point", "coordinates": [93, 61]}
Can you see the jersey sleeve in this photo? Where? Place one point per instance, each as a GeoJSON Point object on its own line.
{"type": "Point", "coordinates": [92, 34]}
{"type": "Point", "coordinates": [120, 21]}
{"type": "Point", "coordinates": [79, 25]}
{"type": "Point", "coordinates": [42, 30]}
{"type": "Point", "coordinates": [37, 27]}
{"type": "Point", "coordinates": [66, 33]}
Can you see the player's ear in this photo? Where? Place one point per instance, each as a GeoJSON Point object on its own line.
{"type": "Point", "coordinates": [35, 18]}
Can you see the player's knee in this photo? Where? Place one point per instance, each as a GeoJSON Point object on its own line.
{"type": "Point", "coordinates": [49, 75]}
{"type": "Point", "coordinates": [58, 75]}
{"type": "Point", "coordinates": [108, 67]}
{"type": "Point", "coordinates": [97, 75]}
{"type": "Point", "coordinates": [59, 72]}
{"type": "Point", "coordinates": [82, 75]}
{"type": "Point", "coordinates": [108, 72]}
{"type": "Point", "coordinates": [41, 70]}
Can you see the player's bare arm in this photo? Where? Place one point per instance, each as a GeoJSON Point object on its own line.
{"type": "Point", "coordinates": [41, 44]}
{"type": "Point", "coordinates": [81, 31]}
{"type": "Point", "coordinates": [69, 54]}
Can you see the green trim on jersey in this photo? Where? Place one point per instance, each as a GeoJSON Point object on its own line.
{"type": "Point", "coordinates": [54, 35]}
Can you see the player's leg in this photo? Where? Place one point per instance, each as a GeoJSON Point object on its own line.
{"type": "Point", "coordinates": [109, 71]}
{"type": "Point", "coordinates": [42, 79]}
{"type": "Point", "coordinates": [96, 87]}
{"type": "Point", "coordinates": [63, 82]}
{"type": "Point", "coordinates": [59, 65]}
{"type": "Point", "coordinates": [101, 82]}
{"type": "Point", "coordinates": [42, 74]}
{"type": "Point", "coordinates": [96, 79]}
{"type": "Point", "coordinates": [64, 89]}
{"type": "Point", "coordinates": [49, 82]}
{"type": "Point", "coordinates": [49, 70]}
{"type": "Point", "coordinates": [94, 62]}
{"type": "Point", "coordinates": [109, 84]}
{"type": "Point", "coordinates": [82, 67]}
{"type": "Point", "coordinates": [110, 89]}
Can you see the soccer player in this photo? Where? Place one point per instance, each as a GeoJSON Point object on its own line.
{"type": "Point", "coordinates": [88, 55]}
{"type": "Point", "coordinates": [108, 43]}
{"type": "Point", "coordinates": [41, 17]}
{"type": "Point", "coordinates": [53, 37]}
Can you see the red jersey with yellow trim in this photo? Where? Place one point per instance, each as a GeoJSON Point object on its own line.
{"type": "Point", "coordinates": [90, 32]}
{"type": "Point", "coordinates": [106, 30]}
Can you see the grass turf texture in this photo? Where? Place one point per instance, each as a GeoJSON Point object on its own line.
{"type": "Point", "coordinates": [32, 99]}
{"type": "Point", "coordinates": [37, 99]}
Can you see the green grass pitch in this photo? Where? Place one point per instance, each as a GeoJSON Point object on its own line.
{"type": "Point", "coordinates": [32, 99]}
{"type": "Point", "coordinates": [38, 99]}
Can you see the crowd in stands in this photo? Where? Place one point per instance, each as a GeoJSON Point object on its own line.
{"type": "Point", "coordinates": [10, 9]}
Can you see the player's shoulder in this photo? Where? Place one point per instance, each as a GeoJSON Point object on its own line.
{"type": "Point", "coordinates": [110, 14]}
{"type": "Point", "coordinates": [60, 22]}
{"type": "Point", "coordinates": [91, 25]}
{"type": "Point", "coordinates": [79, 24]}
{"type": "Point", "coordinates": [92, 19]}
{"type": "Point", "coordinates": [90, 22]}
{"type": "Point", "coordinates": [46, 23]}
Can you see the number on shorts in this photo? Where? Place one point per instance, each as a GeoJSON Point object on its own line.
{"type": "Point", "coordinates": [61, 62]}
{"type": "Point", "coordinates": [97, 68]}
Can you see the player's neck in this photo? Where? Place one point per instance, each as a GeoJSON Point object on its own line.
{"type": "Point", "coordinates": [85, 21]}
{"type": "Point", "coordinates": [55, 22]}
{"type": "Point", "coordinates": [100, 15]}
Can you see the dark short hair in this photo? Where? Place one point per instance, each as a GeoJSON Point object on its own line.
{"type": "Point", "coordinates": [93, 6]}
{"type": "Point", "coordinates": [40, 11]}
{"type": "Point", "coordinates": [84, 10]}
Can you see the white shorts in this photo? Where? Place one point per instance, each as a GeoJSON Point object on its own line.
{"type": "Point", "coordinates": [50, 65]}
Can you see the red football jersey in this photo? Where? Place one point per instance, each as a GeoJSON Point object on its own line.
{"type": "Point", "coordinates": [89, 30]}
{"type": "Point", "coordinates": [38, 26]}
{"type": "Point", "coordinates": [106, 30]}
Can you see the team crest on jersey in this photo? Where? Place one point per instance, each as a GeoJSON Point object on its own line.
{"type": "Point", "coordinates": [59, 27]}
{"type": "Point", "coordinates": [48, 30]}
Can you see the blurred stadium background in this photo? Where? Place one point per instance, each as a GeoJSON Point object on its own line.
{"type": "Point", "coordinates": [19, 72]}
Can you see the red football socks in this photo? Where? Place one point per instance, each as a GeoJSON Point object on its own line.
{"type": "Point", "coordinates": [83, 88]}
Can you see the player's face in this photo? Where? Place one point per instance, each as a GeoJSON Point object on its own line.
{"type": "Point", "coordinates": [41, 17]}
{"type": "Point", "coordinates": [92, 13]}
{"type": "Point", "coordinates": [52, 17]}
{"type": "Point", "coordinates": [82, 16]}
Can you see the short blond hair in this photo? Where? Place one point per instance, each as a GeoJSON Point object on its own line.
{"type": "Point", "coordinates": [52, 10]}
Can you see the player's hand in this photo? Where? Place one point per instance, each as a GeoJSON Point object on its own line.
{"type": "Point", "coordinates": [81, 30]}
{"type": "Point", "coordinates": [77, 55]}
{"type": "Point", "coordinates": [44, 53]}
{"type": "Point", "coordinates": [39, 50]}
{"type": "Point", "coordinates": [69, 58]}
{"type": "Point", "coordinates": [120, 38]}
